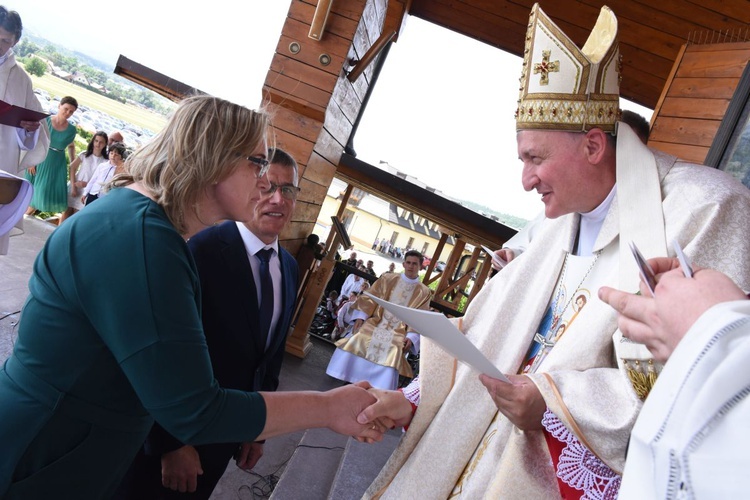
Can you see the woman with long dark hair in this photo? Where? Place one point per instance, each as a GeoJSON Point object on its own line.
{"type": "Point", "coordinates": [82, 169]}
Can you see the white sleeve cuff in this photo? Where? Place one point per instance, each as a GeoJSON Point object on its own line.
{"type": "Point", "coordinates": [415, 340]}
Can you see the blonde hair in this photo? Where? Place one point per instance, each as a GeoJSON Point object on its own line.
{"type": "Point", "coordinates": [201, 144]}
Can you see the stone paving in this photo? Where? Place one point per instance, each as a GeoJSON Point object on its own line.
{"type": "Point", "coordinates": [15, 270]}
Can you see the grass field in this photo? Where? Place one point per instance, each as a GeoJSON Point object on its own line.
{"type": "Point", "coordinates": [132, 114]}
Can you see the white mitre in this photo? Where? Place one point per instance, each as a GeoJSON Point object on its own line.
{"type": "Point", "coordinates": [566, 88]}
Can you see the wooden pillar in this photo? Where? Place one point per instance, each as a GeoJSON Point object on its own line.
{"type": "Point", "coordinates": [314, 106]}
{"type": "Point", "coordinates": [298, 342]}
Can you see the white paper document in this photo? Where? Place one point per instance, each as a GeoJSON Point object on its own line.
{"type": "Point", "coordinates": [437, 327]}
{"type": "Point", "coordinates": [501, 263]}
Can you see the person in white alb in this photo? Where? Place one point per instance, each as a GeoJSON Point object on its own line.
{"type": "Point", "coordinates": [20, 147]}
{"type": "Point", "coordinates": [689, 440]}
{"type": "Point", "coordinates": [15, 88]}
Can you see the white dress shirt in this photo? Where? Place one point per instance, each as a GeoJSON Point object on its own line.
{"type": "Point", "coordinates": [252, 246]}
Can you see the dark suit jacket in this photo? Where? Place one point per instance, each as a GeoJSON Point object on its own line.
{"type": "Point", "coordinates": [230, 317]}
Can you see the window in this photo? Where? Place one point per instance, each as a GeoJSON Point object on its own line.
{"type": "Point", "coordinates": [347, 219]}
{"type": "Point", "coordinates": [730, 150]}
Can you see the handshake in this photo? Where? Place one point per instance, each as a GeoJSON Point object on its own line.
{"type": "Point", "coordinates": [366, 413]}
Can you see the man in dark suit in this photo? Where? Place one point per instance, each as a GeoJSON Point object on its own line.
{"type": "Point", "coordinates": [245, 354]}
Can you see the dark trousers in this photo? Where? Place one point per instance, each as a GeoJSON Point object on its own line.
{"type": "Point", "coordinates": [90, 198]}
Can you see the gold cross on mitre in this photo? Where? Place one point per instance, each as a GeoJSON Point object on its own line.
{"type": "Point", "coordinates": [545, 67]}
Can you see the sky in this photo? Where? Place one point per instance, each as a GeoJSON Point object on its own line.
{"type": "Point", "coordinates": [442, 110]}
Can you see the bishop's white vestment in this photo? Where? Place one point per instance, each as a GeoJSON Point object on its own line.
{"type": "Point", "coordinates": [452, 447]}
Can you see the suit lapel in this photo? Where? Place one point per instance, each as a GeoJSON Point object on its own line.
{"type": "Point", "coordinates": [241, 283]}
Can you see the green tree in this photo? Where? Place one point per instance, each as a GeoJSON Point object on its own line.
{"type": "Point", "coordinates": [51, 53]}
{"type": "Point", "coordinates": [147, 98]}
{"type": "Point", "coordinates": [69, 64]}
{"type": "Point", "coordinates": [36, 67]}
{"type": "Point", "coordinates": [94, 75]}
{"type": "Point", "coordinates": [26, 48]}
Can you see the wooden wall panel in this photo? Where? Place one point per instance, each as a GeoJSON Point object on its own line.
{"type": "Point", "coordinates": [695, 154]}
{"type": "Point", "coordinates": [292, 144]}
{"type": "Point", "coordinates": [336, 46]}
{"type": "Point", "coordinates": [690, 107]}
{"type": "Point", "coordinates": [298, 70]}
{"type": "Point", "coordinates": [340, 23]}
{"type": "Point", "coordinates": [651, 33]}
{"type": "Point", "coordinates": [286, 85]}
{"type": "Point", "coordinates": [701, 88]}
{"type": "Point", "coordinates": [351, 9]}
{"type": "Point", "coordinates": [319, 169]}
{"type": "Point", "coordinates": [712, 64]}
{"type": "Point", "coordinates": [312, 192]}
{"type": "Point", "coordinates": [693, 132]}
{"type": "Point", "coordinates": [696, 97]}
{"type": "Point", "coordinates": [297, 230]}
{"type": "Point", "coordinates": [304, 211]}
{"type": "Point", "coordinates": [329, 147]}
{"type": "Point", "coordinates": [300, 125]}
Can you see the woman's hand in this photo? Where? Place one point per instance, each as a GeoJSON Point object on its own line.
{"type": "Point", "coordinates": [391, 409]}
{"type": "Point", "coordinates": [347, 403]}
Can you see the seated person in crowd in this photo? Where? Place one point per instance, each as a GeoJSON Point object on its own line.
{"type": "Point", "coordinates": [353, 283]}
{"type": "Point", "coordinates": [345, 318]}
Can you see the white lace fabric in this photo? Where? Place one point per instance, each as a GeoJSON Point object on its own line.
{"type": "Point", "coordinates": [578, 467]}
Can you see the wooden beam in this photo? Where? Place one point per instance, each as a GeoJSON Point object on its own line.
{"type": "Point", "coordinates": [319, 20]}
{"type": "Point", "coordinates": [163, 85]}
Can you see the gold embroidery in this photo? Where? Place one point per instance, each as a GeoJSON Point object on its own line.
{"type": "Point", "coordinates": [642, 381]}
{"type": "Point", "coordinates": [546, 67]}
{"type": "Point", "coordinates": [475, 459]}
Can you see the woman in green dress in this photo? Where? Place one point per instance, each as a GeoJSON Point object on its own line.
{"type": "Point", "coordinates": [111, 337]}
{"type": "Point", "coordinates": [50, 177]}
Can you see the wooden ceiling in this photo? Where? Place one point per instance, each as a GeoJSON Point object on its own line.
{"type": "Point", "coordinates": [651, 32]}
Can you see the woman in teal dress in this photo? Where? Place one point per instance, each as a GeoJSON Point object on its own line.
{"type": "Point", "coordinates": [111, 339]}
{"type": "Point", "coordinates": [51, 176]}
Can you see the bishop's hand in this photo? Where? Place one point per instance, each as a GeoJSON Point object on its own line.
{"type": "Point", "coordinates": [520, 401]}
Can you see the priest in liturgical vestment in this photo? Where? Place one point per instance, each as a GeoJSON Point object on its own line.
{"type": "Point", "coordinates": [24, 146]}
{"type": "Point", "coordinates": [15, 88]}
{"type": "Point", "coordinates": [561, 427]}
{"type": "Point", "coordinates": [375, 352]}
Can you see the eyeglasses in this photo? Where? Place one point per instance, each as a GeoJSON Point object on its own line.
{"type": "Point", "coordinates": [262, 164]}
{"type": "Point", "coordinates": [288, 191]}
